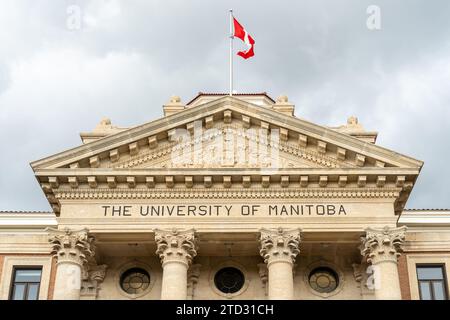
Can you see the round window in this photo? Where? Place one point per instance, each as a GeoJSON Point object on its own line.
{"type": "Point", "coordinates": [135, 281]}
{"type": "Point", "coordinates": [229, 280]}
{"type": "Point", "coordinates": [323, 280]}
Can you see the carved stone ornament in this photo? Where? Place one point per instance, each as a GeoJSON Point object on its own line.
{"type": "Point", "coordinates": [279, 245]}
{"type": "Point", "coordinates": [176, 246]}
{"type": "Point", "coordinates": [71, 246]}
{"type": "Point", "coordinates": [381, 245]}
{"type": "Point", "coordinates": [163, 155]}
{"type": "Point", "coordinates": [97, 272]}
{"type": "Point", "coordinates": [219, 193]}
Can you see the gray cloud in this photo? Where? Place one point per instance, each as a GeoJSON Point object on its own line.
{"type": "Point", "coordinates": [129, 57]}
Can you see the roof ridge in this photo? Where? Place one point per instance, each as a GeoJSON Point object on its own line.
{"type": "Point", "coordinates": [200, 93]}
{"type": "Point", "coordinates": [22, 211]}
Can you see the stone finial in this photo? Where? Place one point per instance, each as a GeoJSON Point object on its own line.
{"type": "Point", "coordinates": [279, 245]}
{"type": "Point", "coordinates": [102, 129]}
{"type": "Point", "coordinates": [283, 105]}
{"type": "Point", "coordinates": [71, 246]}
{"type": "Point", "coordinates": [176, 246]}
{"type": "Point", "coordinates": [352, 120]}
{"type": "Point", "coordinates": [173, 106]}
{"type": "Point", "coordinates": [175, 100]}
{"type": "Point", "coordinates": [105, 122]}
{"type": "Point", "coordinates": [104, 125]}
{"type": "Point", "coordinates": [382, 244]}
{"type": "Point", "coordinates": [354, 128]}
{"type": "Point", "coordinates": [282, 99]}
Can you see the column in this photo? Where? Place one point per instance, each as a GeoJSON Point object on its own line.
{"type": "Point", "coordinates": [381, 248]}
{"type": "Point", "coordinates": [71, 249]}
{"type": "Point", "coordinates": [279, 249]}
{"type": "Point", "coordinates": [176, 250]}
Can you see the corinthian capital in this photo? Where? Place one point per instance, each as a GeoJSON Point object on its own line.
{"type": "Point", "coordinates": [176, 246]}
{"type": "Point", "coordinates": [279, 245]}
{"type": "Point", "coordinates": [71, 246]}
{"type": "Point", "coordinates": [382, 244]}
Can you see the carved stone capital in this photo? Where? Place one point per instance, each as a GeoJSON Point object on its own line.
{"type": "Point", "coordinates": [97, 272]}
{"type": "Point", "coordinates": [381, 245]}
{"type": "Point", "coordinates": [176, 246]}
{"type": "Point", "coordinates": [279, 245]}
{"type": "Point", "coordinates": [70, 246]}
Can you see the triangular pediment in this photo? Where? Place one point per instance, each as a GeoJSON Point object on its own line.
{"type": "Point", "coordinates": [302, 144]}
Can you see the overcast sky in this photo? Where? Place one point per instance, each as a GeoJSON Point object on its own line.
{"type": "Point", "coordinates": [125, 59]}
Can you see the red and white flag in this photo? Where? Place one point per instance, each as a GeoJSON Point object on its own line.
{"type": "Point", "coordinates": [239, 32]}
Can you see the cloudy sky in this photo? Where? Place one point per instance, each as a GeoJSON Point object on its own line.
{"type": "Point", "coordinates": [124, 59]}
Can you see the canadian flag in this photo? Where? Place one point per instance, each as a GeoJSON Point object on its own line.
{"type": "Point", "coordinates": [240, 33]}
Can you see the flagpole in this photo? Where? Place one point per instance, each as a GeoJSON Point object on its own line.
{"type": "Point", "coordinates": [231, 52]}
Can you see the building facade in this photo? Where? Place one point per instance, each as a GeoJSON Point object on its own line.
{"type": "Point", "coordinates": [226, 197]}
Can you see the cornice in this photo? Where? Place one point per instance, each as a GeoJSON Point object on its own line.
{"type": "Point", "coordinates": [425, 219]}
{"type": "Point", "coordinates": [66, 172]}
{"type": "Point", "coordinates": [217, 193]}
{"type": "Point", "coordinates": [36, 220]}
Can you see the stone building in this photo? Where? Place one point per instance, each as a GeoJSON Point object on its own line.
{"type": "Point", "coordinates": [226, 197]}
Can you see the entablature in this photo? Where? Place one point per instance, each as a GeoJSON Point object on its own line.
{"type": "Point", "coordinates": [232, 182]}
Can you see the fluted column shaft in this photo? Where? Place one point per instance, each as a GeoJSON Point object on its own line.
{"type": "Point", "coordinates": [71, 249]}
{"type": "Point", "coordinates": [381, 248]}
{"type": "Point", "coordinates": [279, 249]}
{"type": "Point", "coordinates": [176, 250]}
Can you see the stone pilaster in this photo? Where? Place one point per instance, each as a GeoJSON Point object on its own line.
{"type": "Point", "coordinates": [264, 275]}
{"type": "Point", "coordinates": [193, 275]}
{"type": "Point", "coordinates": [279, 248]}
{"type": "Point", "coordinates": [363, 280]}
{"type": "Point", "coordinates": [381, 248]}
{"type": "Point", "coordinates": [93, 276]}
{"type": "Point", "coordinates": [72, 250]}
{"type": "Point", "coordinates": [176, 250]}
